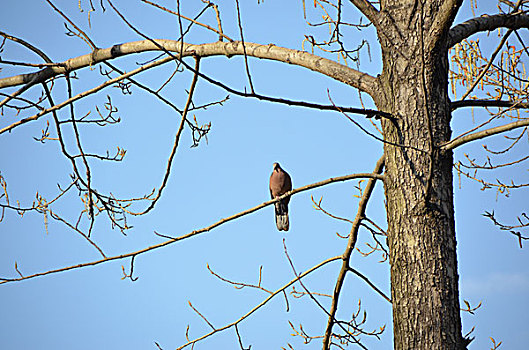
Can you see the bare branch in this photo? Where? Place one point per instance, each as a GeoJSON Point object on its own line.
{"type": "Point", "coordinates": [203, 317]}
{"type": "Point", "coordinates": [335, 70]}
{"type": "Point", "coordinates": [367, 10]}
{"type": "Point", "coordinates": [482, 134]}
{"type": "Point", "coordinates": [85, 93]}
{"type": "Point", "coordinates": [363, 277]}
{"type": "Point", "coordinates": [488, 103]}
{"type": "Point", "coordinates": [486, 23]}
{"type": "Point", "coordinates": [176, 141]}
{"type": "Point", "coordinates": [219, 32]}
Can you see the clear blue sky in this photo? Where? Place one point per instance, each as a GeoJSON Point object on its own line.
{"type": "Point", "coordinates": [94, 308]}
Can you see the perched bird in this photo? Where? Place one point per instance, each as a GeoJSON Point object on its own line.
{"type": "Point", "coordinates": [280, 183]}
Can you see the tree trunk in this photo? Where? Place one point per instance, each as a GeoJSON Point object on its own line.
{"type": "Point", "coordinates": [418, 186]}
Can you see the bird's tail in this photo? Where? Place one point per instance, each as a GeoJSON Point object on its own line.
{"type": "Point", "coordinates": [282, 222]}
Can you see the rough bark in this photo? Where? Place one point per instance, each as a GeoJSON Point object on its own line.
{"type": "Point", "coordinates": [418, 187]}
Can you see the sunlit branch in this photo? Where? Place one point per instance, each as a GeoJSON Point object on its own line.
{"type": "Point", "coordinates": [82, 34]}
{"type": "Point", "coordinates": [486, 68]}
{"type": "Point", "coordinates": [86, 93]}
{"type": "Point", "coordinates": [83, 157]}
{"type": "Point", "coordinates": [110, 212]}
{"type": "Point", "coordinates": [219, 32]}
{"type": "Point", "coordinates": [482, 134]}
{"type": "Point", "coordinates": [202, 316]}
{"type": "Point", "coordinates": [72, 227]}
{"type": "Point", "coordinates": [318, 64]}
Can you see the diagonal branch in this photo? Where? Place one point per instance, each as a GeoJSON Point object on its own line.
{"type": "Point", "coordinates": [307, 291]}
{"type": "Point", "coordinates": [367, 10]}
{"type": "Point", "coordinates": [85, 93]}
{"type": "Point", "coordinates": [202, 230]}
{"type": "Point", "coordinates": [177, 139]}
{"type": "Point", "coordinates": [353, 235]}
{"type": "Point", "coordinates": [482, 134]}
{"type": "Point", "coordinates": [191, 342]}
{"type": "Point", "coordinates": [491, 60]}
{"type": "Point", "coordinates": [366, 280]}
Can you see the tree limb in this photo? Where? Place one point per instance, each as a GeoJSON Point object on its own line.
{"type": "Point", "coordinates": [486, 23]}
{"type": "Point", "coordinates": [335, 70]}
{"type": "Point", "coordinates": [488, 103]}
{"type": "Point", "coordinates": [367, 10]}
{"type": "Point", "coordinates": [482, 134]}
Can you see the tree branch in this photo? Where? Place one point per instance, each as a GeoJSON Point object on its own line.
{"type": "Point", "coordinates": [353, 235]}
{"type": "Point", "coordinates": [488, 103]}
{"type": "Point", "coordinates": [442, 21]}
{"type": "Point", "coordinates": [381, 293]}
{"type": "Point", "coordinates": [261, 304]}
{"type": "Point", "coordinates": [367, 10]}
{"type": "Point", "coordinates": [486, 23]}
{"type": "Point", "coordinates": [83, 94]}
{"type": "Point", "coordinates": [335, 70]}
{"type": "Point", "coordinates": [482, 134]}
{"type": "Point", "coordinates": [202, 230]}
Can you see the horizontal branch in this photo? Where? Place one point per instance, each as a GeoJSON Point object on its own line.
{"type": "Point", "coordinates": [202, 230]}
{"type": "Point", "coordinates": [486, 23]}
{"type": "Point", "coordinates": [333, 69]}
{"type": "Point", "coordinates": [488, 103]}
{"type": "Point", "coordinates": [482, 134]}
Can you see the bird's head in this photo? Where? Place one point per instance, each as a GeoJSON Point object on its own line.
{"type": "Point", "coordinates": [276, 166]}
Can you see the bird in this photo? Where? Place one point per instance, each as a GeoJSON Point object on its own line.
{"type": "Point", "coordinates": [280, 183]}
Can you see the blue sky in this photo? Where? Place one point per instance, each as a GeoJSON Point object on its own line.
{"type": "Point", "coordinates": [94, 308]}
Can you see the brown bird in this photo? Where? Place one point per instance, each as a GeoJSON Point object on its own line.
{"type": "Point", "coordinates": [280, 183]}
